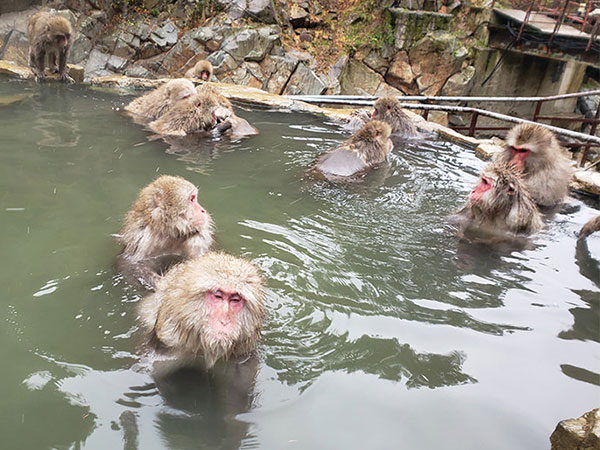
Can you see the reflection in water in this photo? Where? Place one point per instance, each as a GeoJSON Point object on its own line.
{"type": "Point", "coordinates": [58, 127]}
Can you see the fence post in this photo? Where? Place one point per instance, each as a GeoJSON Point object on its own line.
{"type": "Point", "coordinates": [474, 116]}
{"type": "Point", "coordinates": [592, 132]}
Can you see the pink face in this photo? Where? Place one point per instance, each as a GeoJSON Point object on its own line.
{"type": "Point", "coordinates": [198, 213]}
{"type": "Point", "coordinates": [517, 157]}
{"type": "Point", "coordinates": [204, 75]}
{"type": "Point", "coordinates": [484, 185]}
{"type": "Point", "coordinates": [224, 308]}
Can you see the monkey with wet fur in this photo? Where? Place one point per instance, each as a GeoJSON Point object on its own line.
{"type": "Point", "coordinates": [202, 70]}
{"type": "Point", "coordinates": [534, 151]}
{"type": "Point", "coordinates": [366, 148]}
{"type": "Point", "coordinates": [204, 310]}
{"type": "Point", "coordinates": [158, 101]}
{"type": "Point", "coordinates": [51, 36]}
{"type": "Point", "coordinates": [192, 115]}
{"type": "Point", "coordinates": [591, 226]}
{"type": "Point", "coordinates": [500, 204]}
{"type": "Point", "coordinates": [164, 220]}
{"type": "Point", "coordinates": [388, 110]}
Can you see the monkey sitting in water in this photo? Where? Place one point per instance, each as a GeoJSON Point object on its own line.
{"type": "Point", "coordinates": [591, 226]}
{"type": "Point", "coordinates": [388, 110]}
{"type": "Point", "coordinates": [202, 70]}
{"type": "Point", "coordinates": [51, 36]}
{"type": "Point", "coordinates": [535, 152]}
{"type": "Point", "coordinates": [499, 205]}
{"type": "Point", "coordinates": [206, 309]}
{"type": "Point", "coordinates": [158, 101]}
{"type": "Point", "coordinates": [165, 220]}
{"type": "Point", "coordinates": [368, 147]}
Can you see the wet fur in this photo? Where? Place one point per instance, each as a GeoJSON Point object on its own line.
{"type": "Point", "coordinates": [591, 226]}
{"type": "Point", "coordinates": [155, 103]}
{"type": "Point", "coordinates": [192, 115]}
{"type": "Point", "coordinates": [499, 212]}
{"type": "Point", "coordinates": [547, 170]}
{"type": "Point", "coordinates": [175, 318]}
{"type": "Point", "coordinates": [388, 110]}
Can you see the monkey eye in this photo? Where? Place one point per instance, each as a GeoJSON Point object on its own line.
{"type": "Point", "coordinates": [485, 181]}
{"type": "Point", "coordinates": [219, 295]}
{"type": "Point", "coordinates": [235, 298]}
{"type": "Point", "coordinates": [518, 150]}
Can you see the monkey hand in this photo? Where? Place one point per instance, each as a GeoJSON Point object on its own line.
{"type": "Point", "coordinates": [65, 78]}
{"type": "Point", "coordinates": [224, 126]}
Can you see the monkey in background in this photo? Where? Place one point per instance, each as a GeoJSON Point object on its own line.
{"type": "Point", "coordinates": [49, 35]}
{"type": "Point", "coordinates": [534, 151]}
{"type": "Point", "coordinates": [591, 226]}
{"type": "Point", "coordinates": [158, 101]}
{"type": "Point", "coordinates": [368, 147]}
{"type": "Point", "coordinates": [202, 70]}
{"type": "Point", "coordinates": [388, 110]}
{"type": "Point", "coordinates": [165, 220]}
{"type": "Point", "coordinates": [500, 204]}
{"type": "Point", "coordinates": [206, 309]}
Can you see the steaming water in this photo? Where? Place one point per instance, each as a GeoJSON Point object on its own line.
{"type": "Point", "coordinates": [382, 331]}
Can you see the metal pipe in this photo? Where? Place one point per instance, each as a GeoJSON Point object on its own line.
{"type": "Point", "coordinates": [350, 99]}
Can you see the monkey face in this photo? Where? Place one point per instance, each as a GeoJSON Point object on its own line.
{"type": "Point", "coordinates": [204, 75]}
{"type": "Point", "coordinates": [61, 39]}
{"type": "Point", "coordinates": [224, 308]}
{"type": "Point", "coordinates": [518, 156]}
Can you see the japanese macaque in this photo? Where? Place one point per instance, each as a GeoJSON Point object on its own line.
{"type": "Point", "coordinates": [500, 204]}
{"type": "Point", "coordinates": [155, 103]}
{"type": "Point", "coordinates": [49, 35]}
{"type": "Point", "coordinates": [203, 70]}
{"type": "Point", "coordinates": [591, 226]}
{"type": "Point", "coordinates": [165, 219]}
{"type": "Point", "coordinates": [388, 110]}
{"type": "Point", "coordinates": [206, 309]}
{"type": "Point", "coordinates": [192, 115]}
{"type": "Point", "coordinates": [367, 147]}
{"type": "Point", "coordinates": [534, 150]}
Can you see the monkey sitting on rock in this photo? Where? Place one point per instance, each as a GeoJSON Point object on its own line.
{"type": "Point", "coordinates": [50, 38]}
{"type": "Point", "coordinates": [368, 147]}
{"type": "Point", "coordinates": [206, 309]}
{"type": "Point", "coordinates": [165, 220]}
{"type": "Point", "coordinates": [499, 205]}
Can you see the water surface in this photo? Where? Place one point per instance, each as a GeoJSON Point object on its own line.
{"type": "Point", "coordinates": [382, 332]}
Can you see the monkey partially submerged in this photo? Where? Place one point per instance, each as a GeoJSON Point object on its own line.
{"type": "Point", "coordinates": [205, 309]}
{"type": "Point", "coordinates": [368, 147]}
{"type": "Point", "coordinates": [51, 36]}
{"type": "Point", "coordinates": [499, 205]}
{"type": "Point", "coordinates": [591, 226]}
{"type": "Point", "coordinates": [165, 219]}
{"type": "Point", "coordinates": [158, 101]}
{"type": "Point", "coordinates": [202, 70]}
{"type": "Point", "coordinates": [534, 150]}
{"type": "Point", "coordinates": [388, 110]}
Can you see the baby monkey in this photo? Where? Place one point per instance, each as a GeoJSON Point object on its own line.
{"type": "Point", "coordinates": [388, 109]}
{"type": "Point", "coordinates": [368, 147]}
{"type": "Point", "coordinates": [202, 70]}
{"type": "Point", "coordinates": [204, 310]}
{"type": "Point", "coordinates": [51, 36]}
{"type": "Point", "coordinates": [165, 219]}
{"type": "Point", "coordinates": [500, 204]}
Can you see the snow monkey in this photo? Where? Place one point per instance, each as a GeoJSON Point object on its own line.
{"type": "Point", "coordinates": [203, 70]}
{"type": "Point", "coordinates": [389, 111]}
{"type": "Point", "coordinates": [155, 103]}
{"type": "Point", "coordinates": [49, 35]}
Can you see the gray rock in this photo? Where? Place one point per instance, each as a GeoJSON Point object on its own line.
{"type": "Point", "coordinates": [140, 29]}
{"type": "Point", "coordinates": [304, 81]}
{"type": "Point", "coordinates": [96, 63]}
{"type": "Point", "coordinates": [460, 83]}
{"type": "Point", "coordinates": [116, 64]}
{"type": "Point", "coordinates": [375, 61]}
{"type": "Point", "coordinates": [91, 25]}
{"type": "Point", "coordinates": [80, 49]}
{"type": "Point", "coordinates": [278, 70]}
{"type": "Point", "coordinates": [166, 35]}
{"type": "Point", "coordinates": [138, 71]}
{"type": "Point", "coordinates": [261, 11]}
{"type": "Point", "coordinates": [298, 16]}
{"type": "Point", "coordinates": [222, 62]}
{"type": "Point", "coordinates": [250, 45]}
{"type": "Point", "coordinates": [582, 433]}
{"type": "Point", "coordinates": [400, 74]}
{"type": "Point", "coordinates": [17, 48]}
{"type": "Point", "coordinates": [202, 34]}
{"type": "Point", "coordinates": [358, 79]}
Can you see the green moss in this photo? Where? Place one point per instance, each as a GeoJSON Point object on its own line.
{"type": "Point", "coordinates": [370, 28]}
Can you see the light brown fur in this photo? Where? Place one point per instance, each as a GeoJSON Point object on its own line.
{"type": "Point", "coordinates": [497, 211]}
{"type": "Point", "coordinates": [202, 70]}
{"type": "Point", "coordinates": [547, 170]}
{"type": "Point", "coordinates": [176, 316]}
{"type": "Point", "coordinates": [157, 102]}
{"type": "Point", "coordinates": [159, 222]}
{"type": "Point", "coordinates": [192, 115]}
{"type": "Point", "coordinates": [388, 110]}
{"type": "Point", "coordinates": [51, 36]}
{"type": "Point", "coordinates": [591, 226]}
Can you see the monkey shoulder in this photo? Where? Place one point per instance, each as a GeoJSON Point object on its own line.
{"type": "Point", "coordinates": [341, 162]}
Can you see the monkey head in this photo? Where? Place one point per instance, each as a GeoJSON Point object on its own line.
{"type": "Point", "coordinates": [528, 146]}
{"type": "Point", "coordinates": [179, 89]}
{"type": "Point", "coordinates": [386, 107]}
{"type": "Point", "coordinates": [372, 141]}
{"type": "Point", "coordinates": [210, 306]}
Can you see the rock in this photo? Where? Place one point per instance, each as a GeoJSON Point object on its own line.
{"type": "Point", "coordinates": [80, 49]}
{"type": "Point", "coordinates": [400, 74]}
{"type": "Point", "coordinates": [278, 70]}
{"type": "Point", "coordinates": [96, 63]}
{"type": "Point", "coordinates": [357, 79]}
{"type": "Point", "coordinates": [222, 62]}
{"type": "Point", "coordinates": [298, 16]}
{"type": "Point", "coordinates": [439, 117]}
{"type": "Point", "coordinates": [434, 59]}
{"type": "Point", "coordinates": [304, 81]}
{"type": "Point", "coordinates": [76, 72]}
{"type": "Point", "coordinates": [460, 83]}
{"type": "Point", "coordinates": [192, 62]}
{"type": "Point", "coordinates": [137, 70]}
{"type": "Point", "coordinates": [166, 35]}
{"type": "Point", "coordinates": [202, 34]}
{"type": "Point", "coordinates": [250, 45]}
{"type": "Point", "coordinates": [245, 76]}
{"type": "Point", "coordinates": [91, 25]}
{"type": "Point", "coordinates": [116, 63]}
{"type": "Point", "coordinates": [412, 26]}
{"type": "Point", "coordinates": [582, 433]}
{"type": "Point", "coordinates": [376, 62]}
{"type": "Point", "coordinates": [17, 48]}
{"type": "Point", "coordinates": [261, 11]}
{"type": "Point", "coordinates": [140, 28]}
{"type": "Point", "coordinates": [15, 71]}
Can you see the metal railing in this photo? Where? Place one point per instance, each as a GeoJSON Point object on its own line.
{"type": "Point", "coordinates": [590, 139]}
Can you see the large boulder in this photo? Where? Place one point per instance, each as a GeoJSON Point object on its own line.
{"type": "Point", "coordinates": [250, 44]}
{"type": "Point", "coordinates": [277, 70]}
{"type": "Point", "coordinates": [460, 83]}
{"type": "Point", "coordinates": [434, 59]}
{"type": "Point", "coordinates": [582, 433]}
{"type": "Point", "coordinates": [304, 82]}
{"type": "Point", "coordinates": [401, 75]}
{"type": "Point", "coordinates": [357, 79]}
